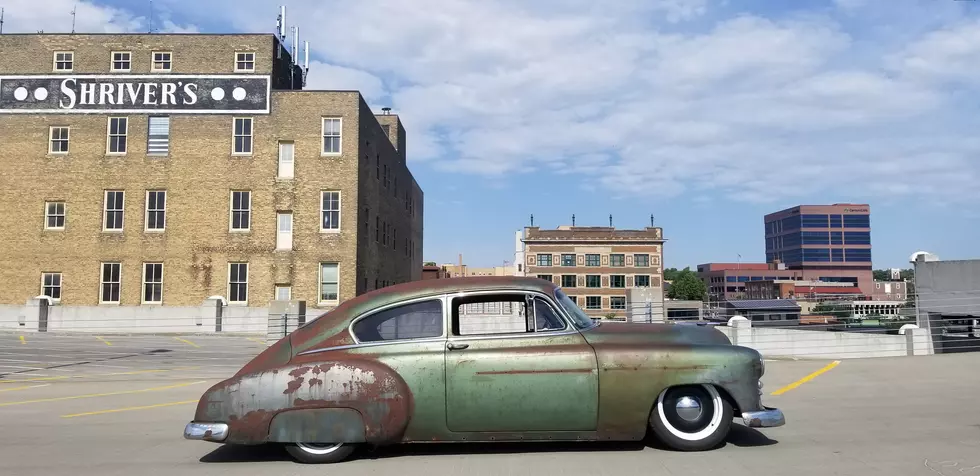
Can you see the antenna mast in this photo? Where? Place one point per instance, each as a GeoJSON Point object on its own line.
{"type": "Point", "coordinates": [150, 26]}
{"type": "Point", "coordinates": [73, 8]}
{"type": "Point", "coordinates": [1, 21]}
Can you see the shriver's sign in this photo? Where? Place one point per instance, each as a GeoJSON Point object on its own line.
{"type": "Point", "coordinates": [135, 94]}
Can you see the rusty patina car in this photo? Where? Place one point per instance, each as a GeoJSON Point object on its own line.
{"type": "Point", "coordinates": [478, 360]}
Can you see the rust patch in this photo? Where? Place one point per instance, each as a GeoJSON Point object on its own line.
{"type": "Point", "coordinates": [315, 381]}
{"type": "Point", "coordinates": [299, 372]}
{"type": "Point", "coordinates": [293, 386]}
{"type": "Point", "coordinates": [547, 371]}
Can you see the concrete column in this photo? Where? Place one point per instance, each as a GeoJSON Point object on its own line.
{"type": "Point", "coordinates": [32, 313]}
{"type": "Point", "coordinates": [209, 317]}
{"type": "Point", "coordinates": [741, 331]}
{"type": "Point", "coordinates": [918, 341]}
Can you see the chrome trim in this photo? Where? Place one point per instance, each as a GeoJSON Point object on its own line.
{"type": "Point", "coordinates": [768, 418]}
{"type": "Point", "coordinates": [516, 335]}
{"type": "Point", "coordinates": [216, 432]}
{"type": "Point", "coordinates": [424, 340]}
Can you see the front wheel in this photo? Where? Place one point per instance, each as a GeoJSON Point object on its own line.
{"type": "Point", "coordinates": [319, 453]}
{"type": "Point", "coordinates": [691, 417]}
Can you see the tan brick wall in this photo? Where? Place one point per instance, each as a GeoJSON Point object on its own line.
{"type": "Point", "coordinates": [198, 176]}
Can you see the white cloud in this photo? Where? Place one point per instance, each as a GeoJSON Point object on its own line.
{"type": "Point", "coordinates": [658, 97]}
{"type": "Point", "coordinates": [54, 16]}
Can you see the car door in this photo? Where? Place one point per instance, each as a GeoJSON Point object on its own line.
{"type": "Point", "coordinates": [515, 364]}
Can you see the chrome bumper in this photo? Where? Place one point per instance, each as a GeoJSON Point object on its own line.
{"type": "Point", "coordinates": [767, 418]}
{"type": "Point", "coordinates": [216, 432]}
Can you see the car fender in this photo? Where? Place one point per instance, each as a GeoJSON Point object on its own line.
{"type": "Point", "coordinates": [249, 403]}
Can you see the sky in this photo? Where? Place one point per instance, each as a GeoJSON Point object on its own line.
{"type": "Point", "coordinates": [706, 114]}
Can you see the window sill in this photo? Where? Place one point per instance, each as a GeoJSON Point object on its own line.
{"type": "Point", "coordinates": [331, 154]}
{"type": "Point", "coordinates": [237, 303]}
{"type": "Point", "coordinates": [59, 155]}
{"type": "Point", "coordinates": [54, 229]}
{"type": "Point", "coordinates": [329, 232]}
{"type": "Point", "coordinates": [113, 232]}
{"type": "Point", "coordinates": [114, 156]}
{"type": "Point", "coordinates": [157, 156]}
{"type": "Point", "coordinates": [155, 232]}
{"type": "Point", "coordinates": [240, 232]}
{"type": "Point", "coordinates": [152, 304]}
{"type": "Point", "coordinates": [328, 304]}
{"type": "Point", "coordinates": [109, 304]}
{"type": "Point", "coordinates": [241, 156]}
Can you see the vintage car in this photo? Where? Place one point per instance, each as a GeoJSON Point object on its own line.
{"type": "Point", "coordinates": [482, 359]}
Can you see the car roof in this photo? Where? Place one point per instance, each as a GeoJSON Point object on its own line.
{"type": "Point", "coordinates": [369, 301]}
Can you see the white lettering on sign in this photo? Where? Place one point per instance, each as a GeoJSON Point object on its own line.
{"type": "Point", "coordinates": [128, 94]}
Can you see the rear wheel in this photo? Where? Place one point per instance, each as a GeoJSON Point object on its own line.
{"type": "Point", "coordinates": [691, 417]}
{"type": "Point", "coordinates": [319, 453]}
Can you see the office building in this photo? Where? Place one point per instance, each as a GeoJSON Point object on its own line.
{"type": "Point", "coordinates": [163, 169]}
{"type": "Point", "coordinates": [820, 237]}
{"type": "Point", "coordinates": [597, 266]}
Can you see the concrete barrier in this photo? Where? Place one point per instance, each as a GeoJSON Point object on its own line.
{"type": "Point", "coordinates": [801, 343]}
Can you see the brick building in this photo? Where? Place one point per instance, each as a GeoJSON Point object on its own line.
{"type": "Point", "coordinates": [149, 169]}
{"type": "Point", "coordinates": [597, 266]}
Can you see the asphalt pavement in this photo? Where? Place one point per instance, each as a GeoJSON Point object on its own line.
{"type": "Point", "coordinates": [116, 405]}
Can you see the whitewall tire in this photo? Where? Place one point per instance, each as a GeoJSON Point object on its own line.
{"type": "Point", "coordinates": [319, 453]}
{"type": "Point", "coordinates": [691, 417]}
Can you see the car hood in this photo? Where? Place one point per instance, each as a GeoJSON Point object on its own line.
{"type": "Point", "coordinates": [663, 334]}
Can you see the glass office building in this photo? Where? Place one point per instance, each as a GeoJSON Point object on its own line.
{"type": "Point", "coordinates": [820, 237]}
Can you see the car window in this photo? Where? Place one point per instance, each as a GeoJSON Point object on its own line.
{"type": "Point", "coordinates": [545, 317]}
{"type": "Point", "coordinates": [579, 318]}
{"type": "Point", "coordinates": [412, 321]}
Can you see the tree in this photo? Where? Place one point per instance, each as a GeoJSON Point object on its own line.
{"type": "Point", "coordinates": [836, 310]}
{"type": "Point", "coordinates": [882, 275]}
{"type": "Point", "coordinates": [429, 263]}
{"type": "Point", "coordinates": [671, 274]}
{"type": "Point", "coordinates": [687, 286]}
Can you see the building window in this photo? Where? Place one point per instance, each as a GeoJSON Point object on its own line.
{"type": "Point", "coordinates": [546, 277]}
{"type": "Point", "coordinates": [857, 221]}
{"type": "Point", "coordinates": [284, 231]}
{"type": "Point", "coordinates": [592, 260]}
{"type": "Point", "coordinates": [284, 292]}
{"type": "Point", "coordinates": [241, 210]}
{"type": "Point", "coordinates": [816, 255]}
{"type": "Point", "coordinates": [377, 229]}
{"type": "Point", "coordinates": [158, 135]}
{"type": "Point", "coordinates": [64, 61]}
{"type": "Point", "coordinates": [156, 210]}
{"type": "Point", "coordinates": [836, 238]}
{"type": "Point", "coordinates": [617, 281]}
{"type": "Point", "coordinates": [238, 282]}
{"type": "Point", "coordinates": [544, 260]}
{"type": "Point", "coordinates": [54, 215]}
{"type": "Point", "coordinates": [162, 61]}
{"type": "Point", "coordinates": [814, 221]}
{"type": "Point", "coordinates": [58, 140]}
{"type": "Point", "coordinates": [641, 281]}
{"type": "Point", "coordinates": [331, 136]}
{"type": "Point", "coordinates": [51, 285]}
{"type": "Point", "coordinates": [835, 221]}
{"type": "Point", "coordinates": [617, 260]}
{"type": "Point", "coordinates": [242, 140]}
{"type": "Point", "coordinates": [112, 219]}
{"type": "Point", "coordinates": [857, 238]}
{"type": "Point", "coordinates": [329, 282]}
{"type": "Point", "coordinates": [617, 303]}
{"type": "Point", "coordinates": [152, 283]}
{"type": "Point", "coordinates": [330, 211]}
{"type": "Point", "coordinates": [111, 283]}
{"type": "Point", "coordinates": [286, 160]}
{"type": "Point", "coordinates": [593, 281]}
{"type": "Point", "coordinates": [593, 302]}
{"type": "Point", "coordinates": [568, 260]}
{"type": "Point", "coordinates": [568, 280]}
{"type": "Point", "coordinates": [852, 255]}
{"type": "Point", "coordinates": [244, 62]}
{"type": "Point", "coordinates": [118, 127]}
{"type": "Point", "coordinates": [121, 61]}
{"type": "Point", "coordinates": [641, 261]}
{"type": "Point", "coordinates": [815, 237]}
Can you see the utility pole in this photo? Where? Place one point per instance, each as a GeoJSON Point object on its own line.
{"type": "Point", "coordinates": [1, 21]}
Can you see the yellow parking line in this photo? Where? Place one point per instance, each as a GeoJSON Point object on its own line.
{"type": "Point", "coordinates": [103, 340]}
{"type": "Point", "coordinates": [23, 340]}
{"type": "Point", "coordinates": [64, 377]}
{"type": "Point", "coordinates": [108, 394]}
{"type": "Point", "coordinates": [23, 388]}
{"type": "Point", "coordinates": [186, 342]}
{"type": "Point", "coordinates": [806, 379]}
{"type": "Point", "coordinates": [126, 409]}
{"type": "Point", "coordinates": [253, 339]}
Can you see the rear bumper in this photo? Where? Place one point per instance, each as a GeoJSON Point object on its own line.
{"type": "Point", "coordinates": [768, 418]}
{"type": "Point", "coordinates": [216, 432]}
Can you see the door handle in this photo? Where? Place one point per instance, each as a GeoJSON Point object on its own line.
{"type": "Point", "coordinates": [455, 346]}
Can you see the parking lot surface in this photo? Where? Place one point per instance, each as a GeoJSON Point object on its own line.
{"type": "Point", "coordinates": [117, 405]}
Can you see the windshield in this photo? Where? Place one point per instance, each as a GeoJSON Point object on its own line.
{"type": "Point", "coordinates": [579, 317]}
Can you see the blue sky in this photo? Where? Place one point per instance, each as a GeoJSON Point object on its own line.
{"type": "Point", "coordinates": [707, 114]}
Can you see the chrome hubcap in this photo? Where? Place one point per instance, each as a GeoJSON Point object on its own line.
{"type": "Point", "coordinates": [688, 408]}
{"type": "Point", "coordinates": [319, 448]}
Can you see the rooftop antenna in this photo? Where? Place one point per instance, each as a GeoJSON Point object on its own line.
{"type": "Point", "coordinates": [306, 60]}
{"type": "Point", "coordinates": [281, 22]}
{"type": "Point", "coordinates": [651, 220]}
{"type": "Point", "coordinates": [573, 219]}
{"type": "Point", "coordinates": [1, 21]}
{"type": "Point", "coordinates": [610, 220]}
{"type": "Point", "coordinates": [532, 219]}
{"type": "Point", "coordinates": [73, 8]}
{"type": "Point", "coordinates": [149, 28]}
{"type": "Point", "coordinates": [295, 45]}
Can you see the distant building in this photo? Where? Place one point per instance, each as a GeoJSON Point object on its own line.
{"type": "Point", "coordinates": [726, 281]}
{"type": "Point", "coordinates": [766, 311]}
{"type": "Point", "coordinates": [434, 272]}
{"type": "Point", "coordinates": [800, 289]}
{"type": "Point", "coordinates": [820, 237]}
{"type": "Point", "coordinates": [890, 291]}
{"type": "Point", "coordinates": [596, 266]}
